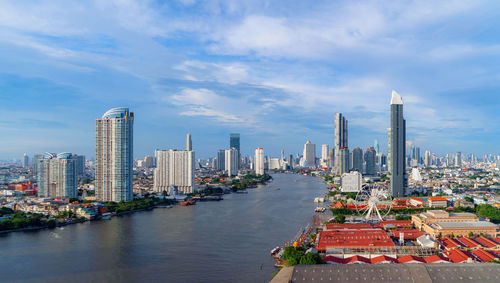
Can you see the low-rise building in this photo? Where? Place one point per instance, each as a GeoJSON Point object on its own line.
{"type": "Point", "coordinates": [437, 202]}
{"type": "Point", "coordinates": [433, 216]}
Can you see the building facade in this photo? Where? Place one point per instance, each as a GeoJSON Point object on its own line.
{"type": "Point", "coordinates": [397, 147]}
{"type": "Point", "coordinates": [114, 155]}
{"type": "Point", "coordinates": [370, 164]}
{"type": "Point", "coordinates": [309, 154]}
{"type": "Point", "coordinates": [340, 139]}
{"type": "Point", "coordinates": [57, 175]}
{"type": "Point", "coordinates": [351, 182]}
{"type": "Point", "coordinates": [174, 168]}
{"type": "Point", "coordinates": [231, 161]}
{"type": "Point", "coordinates": [234, 142]}
{"type": "Point", "coordinates": [357, 160]}
{"type": "Point", "coordinates": [259, 161]}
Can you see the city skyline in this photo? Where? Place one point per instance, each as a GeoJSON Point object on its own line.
{"type": "Point", "coordinates": [197, 73]}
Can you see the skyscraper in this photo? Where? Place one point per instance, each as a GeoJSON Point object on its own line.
{"type": "Point", "coordinates": [26, 161]}
{"type": "Point", "coordinates": [259, 161]}
{"type": "Point", "coordinates": [376, 146]}
{"type": "Point", "coordinates": [231, 161]}
{"type": "Point", "coordinates": [357, 160]}
{"type": "Point", "coordinates": [221, 160]}
{"type": "Point", "coordinates": [80, 164]}
{"type": "Point", "coordinates": [189, 143]}
{"type": "Point", "coordinates": [341, 139]}
{"type": "Point", "coordinates": [309, 154]}
{"type": "Point", "coordinates": [324, 155]}
{"type": "Point", "coordinates": [57, 175]}
{"type": "Point", "coordinates": [397, 143]}
{"type": "Point", "coordinates": [174, 168]}
{"type": "Point", "coordinates": [343, 161]}
{"type": "Point", "coordinates": [458, 159]}
{"type": "Point", "coordinates": [234, 142]}
{"type": "Point", "coordinates": [428, 159]}
{"type": "Point", "coordinates": [114, 155]}
{"type": "Point", "coordinates": [370, 157]}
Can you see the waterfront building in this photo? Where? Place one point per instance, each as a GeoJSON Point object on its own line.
{"type": "Point", "coordinates": [309, 154]}
{"type": "Point", "coordinates": [259, 161]}
{"type": "Point", "coordinates": [231, 161]}
{"type": "Point", "coordinates": [114, 155]}
{"type": "Point", "coordinates": [274, 164]}
{"type": "Point", "coordinates": [342, 160]}
{"type": "Point", "coordinates": [174, 168]}
{"type": "Point", "coordinates": [370, 164]}
{"type": "Point", "coordinates": [189, 142]}
{"type": "Point", "coordinates": [234, 142]}
{"type": "Point", "coordinates": [397, 144]}
{"type": "Point", "coordinates": [220, 165]}
{"type": "Point", "coordinates": [357, 160]}
{"type": "Point", "coordinates": [324, 155]}
{"type": "Point", "coordinates": [351, 182]}
{"type": "Point", "coordinates": [57, 175]}
{"type": "Point", "coordinates": [341, 140]}
{"type": "Point", "coordinates": [26, 161]}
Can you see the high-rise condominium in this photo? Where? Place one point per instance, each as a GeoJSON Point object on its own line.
{"type": "Point", "coordinates": [189, 143]}
{"type": "Point", "coordinates": [80, 164]}
{"type": "Point", "coordinates": [220, 165]}
{"type": "Point", "coordinates": [231, 161]}
{"type": "Point", "coordinates": [341, 140]}
{"type": "Point", "coordinates": [370, 157]}
{"type": "Point", "coordinates": [57, 175]}
{"type": "Point", "coordinates": [324, 155]}
{"type": "Point", "coordinates": [428, 159]}
{"type": "Point", "coordinates": [259, 161]}
{"type": "Point", "coordinates": [234, 142]}
{"type": "Point", "coordinates": [114, 155]}
{"type": "Point", "coordinates": [174, 168]}
{"type": "Point", "coordinates": [357, 160]}
{"type": "Point", "coordinates": [342, 161]}
{"type": "Point", "coordinates": [397, 143]}
{"type": "Point", "coordinates": [309, 154]}
{"type": "Point", "coordinates": [458, 159]}
{"type": "Point", "coordinates": [26, 161]}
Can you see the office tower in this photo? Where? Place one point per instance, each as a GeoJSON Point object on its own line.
{"type": "Point", "coordinates": [114, 155]}
{"type": "Point", "coordinates": [376, 146]}
{"type": "Point", "coordinates": [397, 144]}
{"type": "Point", "coordinates": [231, 161]}
{"type": "Point", "coordinates": [341, 140]}
{"type": "Point", "coordinates": [259, 161]}
{"type": "Point", "coordinates": [189, 143]}
{"type": "Point", "coordinates": [26, 161]}
{"type": "Point", "coordinates": [174, 169]}
{"type": "Point", "coordinates": [309, 154]}
{"type": "Point", "coordinates": [427, 159]}
{"type": "Point", "coordinates": [221, 160]}
{"type": "Point", "coordinates": [35, 162]}
{"type": "Point", "coordinates": [234, 142]}
{"type": "Point", "coordinates": [450, 161]}
{"type": "Point", "coordinates": [357, 160]}
{"type": "Point", "coordinates": [57, 175]}
{"type": "Point", "coordinates": [80, 164]}
{"type": "Point", "coordinates": [291, 161]}
{"type": "Point", "coordinates": [324, 155]}
{"type": "Point", "coordinates": [331, 157]}
{"type": "Point", "coordinates": [343, 161]}
{"type": "Point", "coordinates": [370, 157]}
{"type": "Point", "coordinates": [458, 159]}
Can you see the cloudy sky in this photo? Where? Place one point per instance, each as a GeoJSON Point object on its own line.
{"type": "Point", "coordinates": [274, 71]}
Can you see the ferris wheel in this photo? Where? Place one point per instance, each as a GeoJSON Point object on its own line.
{"type": "Point", "coordinates": [373, 202]}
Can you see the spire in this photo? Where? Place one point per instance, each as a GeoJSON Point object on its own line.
{"type": "Point", "coordinates": [396, 98]}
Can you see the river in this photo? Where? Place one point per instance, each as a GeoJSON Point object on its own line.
{"type": "Point", "coordinates": [225, 241]}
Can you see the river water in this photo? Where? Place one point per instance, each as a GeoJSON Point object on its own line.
{"type": "Point", "coordinates": [225, 241]}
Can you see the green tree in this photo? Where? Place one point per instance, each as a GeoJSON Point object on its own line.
{"type": "Point", "coordinates": [340, 218]}
{"type": "Point", "coordinates": [471, 234]}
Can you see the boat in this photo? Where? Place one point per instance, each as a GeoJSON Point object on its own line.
{"type": "Point", "coordinates": [187, 202]}
{"type": "Point", "coordinates": [241, 192]}
{"type": "Point", "coordinates": [277, 188]}
{"type": "Point", "coordinates": [275, 250]}
{"type": "Point", "coordinates": [106, 216]}
{"type": "Point", "coordinates": [320, 209]}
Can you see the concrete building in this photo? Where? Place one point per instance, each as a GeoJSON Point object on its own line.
{"type": "Point", "coordinates": [274, 164]}
{"type": "Point", "coordinates": [57, 176]}
{"type": "Point", "coordinates": [428, 159]}
{"type": "Point", "coordinates": [397, 145]}
{"type": "Point", "coordinates": [351, 182]}
{"type": "Point", "coordinates": [220, 164]}
{"type": "Point", "coordinates": [342, 161]}
{"type": "Point", "coordinates": [434, 216]}
{"type": "Point", "coordinates": [370, 164]}
{"type": "Point", "coordinates": [174, 168]}
{"type": "Point", "coordinates": [189, 142]}
{"type": "Point", "coordinates": [458, 159]}
{"type": "Point", "coordinates": [26, 161]}
{"type": "Point", "coordinates": [437, 202]}
{"type": "Point", "coordinates": [114, 155]}
{"type": "Point", "coordinates": [259, 161]}
{"type": "Point", "coordinates": [357, 160]}
{"type": "Point", "coordinates": [341, 139]}
{"type": "Point", "coordinates": [461, 229]}
{"type": "Point", "coordinates": [148, 162]}
{"type": "Point", "coordinates": [324, 155]}
{"type": "Point", "coordinates": [231, 161]}
{"type": "Point", "coordinates": [234, 142]}
{"type": "Point", "coordinates": [309, 154]}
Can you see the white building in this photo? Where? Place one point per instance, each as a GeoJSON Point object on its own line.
{"type": "Point", "coordinates": [324, 155]}
{"type": "Point", "coordinates": [351, 182]}
{"type": "Point", "coordinates": [259, 161]}
{"type": "Point", "coordinates": [231, 161]}
{"type": "Point", "coordinates": [56, 176]}
{"type": "Point", "coordinates": [274, 164]}
{"type": "Point", "coordinates": [174, 168]}
{"type": "Point", "coordinates": [309, 154]}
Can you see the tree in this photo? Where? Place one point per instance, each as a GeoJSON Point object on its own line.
{"type": "Point", "coordinates": [471, 234]}
{"type": "Point", "coordinates": [340, 219]}
{"type": "Point", "coordinates": [440, 235]}
{"type": "Point", "coordinates": [488, 211]}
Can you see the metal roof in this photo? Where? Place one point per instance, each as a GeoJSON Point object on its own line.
{"type": "Point", "coordinates": [466, 224]}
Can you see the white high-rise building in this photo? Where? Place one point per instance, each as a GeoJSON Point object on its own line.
{"type": "Point", "coordinates": [57, 176]}
{"type": "Point", "coordinates": [324, 155]}
{"type": "Point", "coordinates": [174, 168]}
{"type": "Point", "coordinates": [114, 155]}
{"type": "Point", "coordinates": [231, 161]}
{"type": "Point", "coordinates": [189, 142]}
{"type": "Point", "coordinates": [351, 182]}
{"type": "Point", "coordinates": [259, 161]}
{"type": "Point", "coordinates": [309, 154]}
{"type": "Point", "coordinates": [26, 161]}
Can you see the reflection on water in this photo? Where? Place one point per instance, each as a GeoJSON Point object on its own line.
{"type": "Point", "coordinates": [226, 241]}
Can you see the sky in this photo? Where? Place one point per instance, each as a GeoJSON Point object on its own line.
{"type": "Point", "coordinates": [274, 71]}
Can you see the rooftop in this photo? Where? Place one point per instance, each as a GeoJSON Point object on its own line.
{"type": "Point", "coordinates": [466, 224]}
{"type": "Point", "coordinates": [396, 98]}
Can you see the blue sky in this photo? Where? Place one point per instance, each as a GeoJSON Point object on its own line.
{"type": "Point", "coordinates": [274, 71]}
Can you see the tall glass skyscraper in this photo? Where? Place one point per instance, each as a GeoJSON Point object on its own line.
{"type": "Point", "coordinates": [114, 155]}
{"type": "Point", "coordinates": [397, 144]}
{"type": "Point", "coordinates": [234, 142]}
{"type": "Point", "coordinates": [341, 141]}
{"type": "Point", "coordinates": [57, 176]}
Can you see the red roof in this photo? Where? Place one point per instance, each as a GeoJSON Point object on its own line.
{"type": "Point", "coordinates": [356, 259]}
{"type": "Point", "coordinates": [450, 243]}
{"type": "Point", "coordinates": [417, 199]}
{"type": "Point", "coordinates": [333, 259]}
{"type": "Point", "coordinates": [364, 238]}
{"type": "Point", "coordinates": [457, 255]}
{"type": "Point", "coordinates": [483, 255]}
{"type": "Point", "coordinates": [338, 226]}
{"type": "Point", "coordinates": [435, 258]}
{"type": "Point", "coordinates": [383, 259]}
{"type": "Point", "coordinates": [397, 223]}
{"type": "Point", "coordinates": [410, 259]}
{"type": "Point", "coordinates": [486, 242]}
{"type": "Point", "coordinates": [409, 234]}
{"type": "Point", "coordinates": [437, 199]}
{"type": "Point", "coordinates": [468, 242]}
